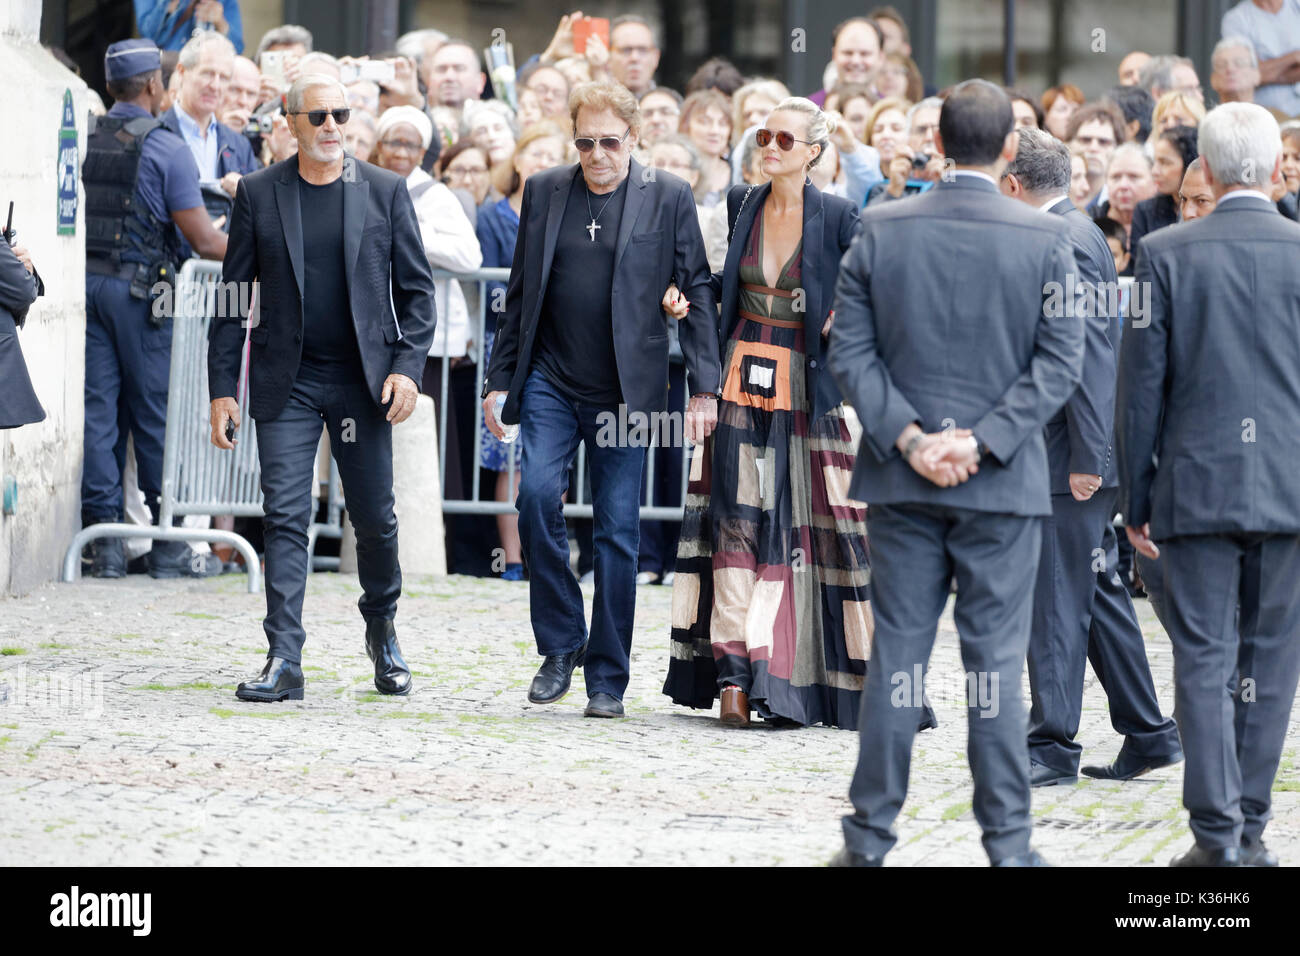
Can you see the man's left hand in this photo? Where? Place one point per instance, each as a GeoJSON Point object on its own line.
{"type": "Point", "coordinates": [701, 418]}
{"type": "Point", "coordinates": [25, 258]}
{"type": "Point", "coordinates": [229, 183]}
{"type": "Point", "coordinates": [210, 11]}
{"type": "Point", "coordinates": [403, 392]}
{"type": "Point", "coordinates": [1140, 537]}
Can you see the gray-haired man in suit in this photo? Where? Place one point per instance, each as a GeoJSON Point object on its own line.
{"type": "Point", "coordinates": [1081, 608]}
{"type": "Point", "coordinates": [1209, 383]}
{"type": "Point", "coordinates": [945, 347]}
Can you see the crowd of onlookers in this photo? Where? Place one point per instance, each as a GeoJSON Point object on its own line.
{"type": "Point", "coordinates": [466, 145]}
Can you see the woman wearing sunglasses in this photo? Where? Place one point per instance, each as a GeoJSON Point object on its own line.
{"type": "Point", "coordinates": [770, 593]}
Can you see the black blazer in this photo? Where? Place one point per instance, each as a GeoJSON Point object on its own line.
{"type": "Point", "coordinates": [18, 290]}
{"type": "Point", "coordinates": [386, 271]}
{"type": "Point", "coordinates": [1208, 377]}
{"type": "Point", "coordinates": [659, 241]}
{"type": "Point", "coordinates": [940, 320]}
{"type": "Point", "coordinates": [1079, 435]}
{"type": "Point", "coordinates": [830, 224]}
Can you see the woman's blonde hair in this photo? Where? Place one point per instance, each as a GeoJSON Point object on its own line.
{"type": "Point", "coordinates": [820, 126]}
{"type": "Point", "coordinates": [1175, 99]}
{"type": "Point", "coordinates": [883, 106]}
{"type": "Point", "coordinates": [504, 175]}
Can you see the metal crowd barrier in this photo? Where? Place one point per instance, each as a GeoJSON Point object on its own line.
{"type": "Point", "coordinates": [578, 506]}
{"type": "Point", "coordinates": [198, 477]}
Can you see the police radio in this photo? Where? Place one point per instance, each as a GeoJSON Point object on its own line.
{"type": "Point", "coordinates": [10, 233]}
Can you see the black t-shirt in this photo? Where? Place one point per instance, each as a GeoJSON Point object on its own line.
{"type": "Point", "coordinates": [329, 341]}
{"type": "Point", "coordinates": [575, 342]}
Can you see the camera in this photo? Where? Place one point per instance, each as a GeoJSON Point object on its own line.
{"type": "Point", "coordinates": [259, 124]}
{"type": "Point", "coordinates": [920, 161]}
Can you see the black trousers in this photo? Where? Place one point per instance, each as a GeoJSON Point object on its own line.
{"type": "Point", "coordinates": [916, 551]}
{"type": "Point", "coordinates": [362, 442]}
{"type": "Point", "coordinates": [1082, 609]}
{"type": "Point", "coordinates": [1235, 675]}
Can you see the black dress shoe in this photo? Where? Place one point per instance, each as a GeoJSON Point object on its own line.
{"type": "Point", "coordinates": [1208, 856]}
{"type": "Point", "coordinates": [107, 558]}
{"type": "Point", "coordinates": [1041, 775]}
{"type": "Point", "coordinates": [847, 857]}
{"type": "Point", "coordinates": [176, 559]}
{"type": "Point", "coordinates": [1024, 859]}
{"type": "Point", "coordinates": [392, 676]}
{"type": "Point", "coordinates": [603, 705]}
{"type": "Point", "coordinates": [279, 680]}
{"type": "Point", "coordinates": [1256, 854]}
{"type": "Point", "coordinates": [555, 674]}
{"type": "Point", "coordinates": [1128, 766]}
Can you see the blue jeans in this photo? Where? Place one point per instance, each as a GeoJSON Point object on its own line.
{"type": "Point", "coordinates": [361, 440]}
{"type": "Point", "coordinates": [552, 426]}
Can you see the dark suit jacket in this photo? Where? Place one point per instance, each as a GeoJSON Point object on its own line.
{"type": "Point", "coordinates": [830, 224]}
{"type": "Point", "coordinates": [386, 270]}
{"type": "Point", "coordinates": [234, 152]}
{"type": "Point", "coordinates": [1079, 435]}
{"type": "Point", "coordinates": [659, 241]}
{"type": "Point", "coordinates": [939, 320]}
{"type": "Point", "coordinates": [1211, 382]}
{"type": "Point", "coordinates": [18, 290]}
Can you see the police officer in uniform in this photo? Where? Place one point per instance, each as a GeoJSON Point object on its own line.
{"type": "Point", "coordinates": [141, 186]}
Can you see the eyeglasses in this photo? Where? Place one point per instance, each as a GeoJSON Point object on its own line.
{"type": "Point", "coordinates": [317, 117]}
{"type": "Point", "coordinates": [466, 171]}
{"type": "Point", "coordinates": [784, 139]}
{"type": "Point", "coordinates": [404, 145]}
{"type": "Point", "coordinates": [610, 144]}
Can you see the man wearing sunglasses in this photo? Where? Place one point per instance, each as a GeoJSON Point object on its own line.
{"type": "Point", "coordinates": [330, 242]}
{"type": "Point", "coordinates": [584, 341]}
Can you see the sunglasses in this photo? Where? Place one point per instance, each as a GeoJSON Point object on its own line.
{"type": "Point", "coordinates": [317, 117]}
{"type": "Point", "coordinates": [784, 139]}
{"type": "Point", "coordinates": [610, 144]}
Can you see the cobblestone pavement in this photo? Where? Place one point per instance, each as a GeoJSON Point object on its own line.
{"type": "Point", "coordinates": [121, 742]}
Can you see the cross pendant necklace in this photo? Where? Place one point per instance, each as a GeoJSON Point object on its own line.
{"type": "Point", "coordinates": [594, 224]}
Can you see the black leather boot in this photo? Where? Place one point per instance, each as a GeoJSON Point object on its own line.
{"type": "Point", "coordinates": [392, 676]}
{"type": "Point", "coordinates": [107, 558]}
{"type": "Point", "coordinates": [279, 680]}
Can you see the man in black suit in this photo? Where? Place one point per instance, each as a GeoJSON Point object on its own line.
{"type": "Point", "coordinates": [584, 343]}
{"type": "Point", "coordinates": [953, 377]}
{"type": "Point", "coordinates": [1080, 605]}
{"type": "Point", "coordinates": [330, 242]}
{"type": "Point", "coordinates": [1208, 385]}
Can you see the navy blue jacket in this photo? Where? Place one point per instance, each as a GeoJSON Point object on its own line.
{"type": "Point", "coordinates": [1079, 435]}
{"type": "Point", "coordinates": [234, 152]}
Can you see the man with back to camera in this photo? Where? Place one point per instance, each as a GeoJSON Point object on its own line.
{"type": "Point", "coordinates": [330, 242]}
{"type": "Point", "coordinates": [1082, 610]}
{"type": "Point", "coordinates": [1220, 508]}
{"type": "Point", "coordinates": [953, 382]}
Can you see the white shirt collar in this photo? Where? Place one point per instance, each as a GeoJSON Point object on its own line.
{"type": "Point", "coordinates": [975, 172]}
{"type": "Point", "coordinates": [185, 119]}
{"type": "Point", "coordinates": [1238, 193]}
{"type": "Point", "coordinates": [1052, 202]}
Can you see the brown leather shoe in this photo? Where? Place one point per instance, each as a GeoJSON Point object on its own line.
{"type": "Point", "coordinates": [735, 707]}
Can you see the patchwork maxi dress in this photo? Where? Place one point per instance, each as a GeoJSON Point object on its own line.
{"type": "Point", "coordinates": [772, 583]}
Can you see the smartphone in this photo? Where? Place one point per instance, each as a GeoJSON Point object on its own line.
{"type": "Point", "coordinates": [273, 68]}
{"type": "Point", "coordinates": [230, 430]}
{"type": "Point", "coordinates": [585, 28]}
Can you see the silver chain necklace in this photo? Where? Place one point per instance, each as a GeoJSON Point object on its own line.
{"type": "Point", "coordinates": [592, 226]}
